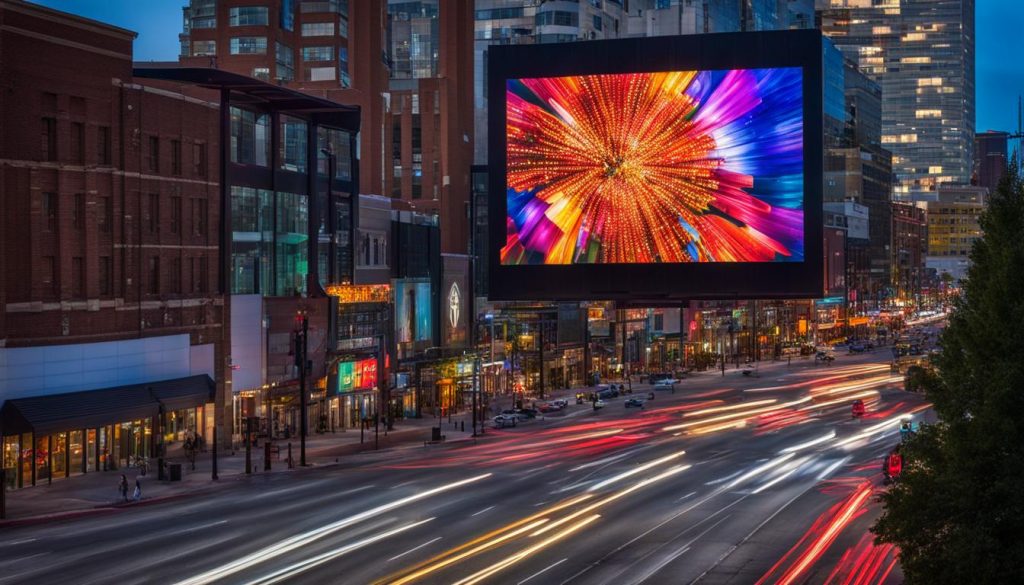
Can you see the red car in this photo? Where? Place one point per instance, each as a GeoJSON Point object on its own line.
{"type": "Point", "coordinates": [858, 408]}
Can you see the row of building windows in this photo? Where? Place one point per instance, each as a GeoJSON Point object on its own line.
{"type": "Point", "coordinates": [270, 235]}
{"type": "Point", "coordinates": [157, 281]}
{"type": "Point", "coordinates": [251, 142]}
{"type": "Point", "coordinates": [199, 213]}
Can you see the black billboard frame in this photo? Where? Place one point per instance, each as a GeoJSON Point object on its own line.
{"type": "Point", "coordinates": [659, 282]}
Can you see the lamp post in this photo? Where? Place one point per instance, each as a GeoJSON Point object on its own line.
{"type": "Point", "coordinates": [301, 347]}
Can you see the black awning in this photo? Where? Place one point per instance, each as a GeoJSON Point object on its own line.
{"type": "Point", "coordinates": [54, 413]}
{"type": "Point", "coordinates": [184, 393]}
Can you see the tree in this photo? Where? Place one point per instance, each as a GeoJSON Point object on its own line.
{"type": "Point", "coordinates": [957, 513]}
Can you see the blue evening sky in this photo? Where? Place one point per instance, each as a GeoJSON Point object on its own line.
{"type": "Point", "coordinates": [1000, 67]}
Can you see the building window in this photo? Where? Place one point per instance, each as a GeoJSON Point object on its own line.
{"type": "Point", "coordinates": [557, 18]}
{"type": "Point", "coordinates": [50, 275]}
{"type": "Point", "coordinates": [199, 217]}
{"type": "Point", "coordinates": [105, 276]}
{"type": "Point", "coordinates": [285, 59]}
{"type": "Point", "coordinates": [154, 154]}
{"type": "Point", "coordinates": [373, 250]}
{"type": "Point", "coordinates": [291, 250]}
{"type": "Point", "coordinates": [77, 142]}
{"type": "Point", "coordinates": [597, 22]}
{"type": "Point", "coordinates": [175, 276]}
{"type": "Point", "coordinates": [343, 27]}
{"type": "Point", "coordinates": [250, 137]}
{"type": "Point", "coordinates": [153, 212]}
{"type": "Point", "coordinates": [103, 145]}
{"type": "Point", "coordinates": [175, 215]}
{"type": "Point", "coordinates": [340, 144]}
{"type": "Point", "coordinates": [287, 15]}
{"type": "Point", "coordinates": [293, 144]}
{"type": "Point", "coordinates": [204, 272]}
{"type": "Point", "coordinates": [50, 212]}
{"type": "Point", "coordinates": [247, 16]}
{"type": "Point", "coordinates": [175, 157]}
{"type": "Point", "coordinates": [154, 275]}
{"type": "Point", "coordinates": [77, 277]}
{"type": "Point", "coordinates": [261, 73]}
{"type": "Point", "coordinates": [317, 53]}
{"type": "Point", "coordinates": [49, 138]}
{"type": "Point", "coordinates": [346, 81]}
{"type": "Point", "coordinates": [318, 29]}
{"type": "Point", "coordinates": [248, 45]}
{"type": "Point", "coordinates": [199, 159]}
{"type": "Point", "coordinates": [205, 22]}
{"type": "Point", "coordinates": [252, 226]}
{"type": "Point", "coordinates": [106, 214]}
{"type": "Point", "coordinates": [204, 48]}
{"type": "Point", "coordinates": [320, 74]}
{"type": "Point", "coordinates": [78, 211]}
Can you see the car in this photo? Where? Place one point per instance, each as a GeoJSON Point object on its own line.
{"type": "Point", "coordinates": [505, 420]}
{"type": "Point", "coordinates": [560, 403]}
{"type": "Point", "coordinates": [598, 404]}
{"type": "Point", "coordinates": [519, 414]}
{"type": "Point", "coordinates": [665, 384]}
{"type": "Point", "coordinates": [607, 393]}
{"type": "Point", "coordinates": [826, 357]}
{"type": "Point", "coordinates": [547, 407]}
{"type": "Point", "coordinates": [634, 402]}
{"type": "Point", "coordinates": [857, 347]}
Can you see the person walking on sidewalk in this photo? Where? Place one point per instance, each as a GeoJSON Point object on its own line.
{"type": "Point", "coordinates": [138, 490]}
{"type": "Point", "coordinates": [123, 487]}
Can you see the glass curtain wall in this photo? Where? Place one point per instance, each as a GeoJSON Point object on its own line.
{"type": "Point", "coordinates": [250, 137]}
{"type": "Point", "coordinates": [252, 235]}
{"type": "Point", "coordinates": [291, 249]}
{"type": "Point", "coordinates": [293, 144]}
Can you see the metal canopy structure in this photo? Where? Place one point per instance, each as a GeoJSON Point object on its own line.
{"type": "Point", "coordinates": [247, 91]}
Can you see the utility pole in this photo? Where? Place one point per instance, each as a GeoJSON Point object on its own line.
{"type": "Point", "coordinates": [540, 344]}
{"type": "Point", "coordinates": [301, 348]}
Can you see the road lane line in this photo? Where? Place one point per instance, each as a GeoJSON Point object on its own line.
{"type": "Point", "coordinates": [484, 510]}
{"type": "Point", "coordinates": [305, 538]}
{"type": "Point", "coordinates": [544, 570]}
{"type": "Point", "coordinates": [414, 549]}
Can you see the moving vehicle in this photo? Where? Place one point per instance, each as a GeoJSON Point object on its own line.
{"type": "Point", "coordinates": [665, 384]}
{"type": "Point", "coordinates": [825, 357]}
{"type": "Point", "coordinates": [892, 466]}
{"type": "Point", "coordinates": [560, 403]}
{"type": "Point", "coordinates": [607, 392]}
{"type": "Point", "coordinates": [505, 420]}
{"type": "Point", "coordinates": [598, 404]}
{"type": "Point", "coordinates": [634, 402]}
{"type": "Point", "coordinates": [858, 409]}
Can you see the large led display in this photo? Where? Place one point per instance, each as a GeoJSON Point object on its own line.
{"type": "Point", "coordinates": [661, 168]}
{"type": "Point", "coordinates": [676, 166]}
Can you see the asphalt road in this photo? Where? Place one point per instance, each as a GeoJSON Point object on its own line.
{"type": "Point", "coordinates": [730, 479]}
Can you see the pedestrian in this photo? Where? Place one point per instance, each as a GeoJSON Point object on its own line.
{"type": "Point", "coordinates": [138, 490]}
{"type": "Point", "coordinates": [122, 487]}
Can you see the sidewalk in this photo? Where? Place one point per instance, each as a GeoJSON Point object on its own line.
{"type": "Point", "coordinates": [97, 492]}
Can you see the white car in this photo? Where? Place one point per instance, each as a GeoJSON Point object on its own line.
{"type": "Point", "coordinates": [666, 383]}
{"type": "Point", "coordinates": [505, 420]}
{"type": "Point", "coordinates": [598, 404]}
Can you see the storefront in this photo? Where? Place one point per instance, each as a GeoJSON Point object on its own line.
{"type": "Point", "coordinates": [47, 438]}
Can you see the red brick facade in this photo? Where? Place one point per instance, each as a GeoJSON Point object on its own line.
{"type": "Point", "coordinates": [108, 192]}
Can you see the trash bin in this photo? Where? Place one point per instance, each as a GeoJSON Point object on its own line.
{"type": "Point", "coordinates": [435, 434]}
{"type": "Point", "coordinates": [174, 470]}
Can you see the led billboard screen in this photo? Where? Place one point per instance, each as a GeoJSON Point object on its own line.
{"type": "Point", "coordinates": [659, 168]}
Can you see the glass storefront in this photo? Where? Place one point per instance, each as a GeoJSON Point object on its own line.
{"type": "Point", "coordinates": [252, 228]}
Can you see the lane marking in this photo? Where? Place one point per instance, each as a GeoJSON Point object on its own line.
{"type": "Point", "coordinates": [484, 510]}
{"type": "Point", "coordinates": [549, 567]}
{"type": "Point", "coordinates": [414, 549]}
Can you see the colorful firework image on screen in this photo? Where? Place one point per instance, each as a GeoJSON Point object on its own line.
{"type": "Point", "coordinates": [674, 167]}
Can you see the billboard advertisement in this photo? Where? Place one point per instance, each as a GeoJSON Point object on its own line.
{"type": "Point", "coordinates": [669, 167]}
{"type": "Point", "coordinates": [359, 375]}
{"type": "Point", "coordinates": [413, 311]}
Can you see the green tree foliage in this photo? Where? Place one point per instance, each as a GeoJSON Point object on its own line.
{"type": "Point", "coordinates": [957, 513]}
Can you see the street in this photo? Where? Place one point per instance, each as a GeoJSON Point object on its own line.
{"type": "Point", "coordinates": [734, 479]}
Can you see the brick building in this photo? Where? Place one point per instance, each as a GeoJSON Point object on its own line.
{"type": "Point", "coordinates": [407, 65]}
{"type": "Point", "coordinates": [109, 199]}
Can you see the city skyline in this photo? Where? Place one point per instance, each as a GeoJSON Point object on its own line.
{"type": "Point", "coordinates": [999, 83]}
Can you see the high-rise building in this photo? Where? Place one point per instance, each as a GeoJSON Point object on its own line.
{"type": "Point", "coordinates": [909, 246]}
{"type": "Point", "coordinates": [954, 224]}
{"type": "Point", "coordinates": [405, 64]}
{"type": "Point", "coordinates": [921, 52]}
{"type": "Point", "coordinates": [990, 158]}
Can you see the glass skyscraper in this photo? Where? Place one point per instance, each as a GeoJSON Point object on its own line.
{"type": "Point", "coordinates": [921, 52]}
